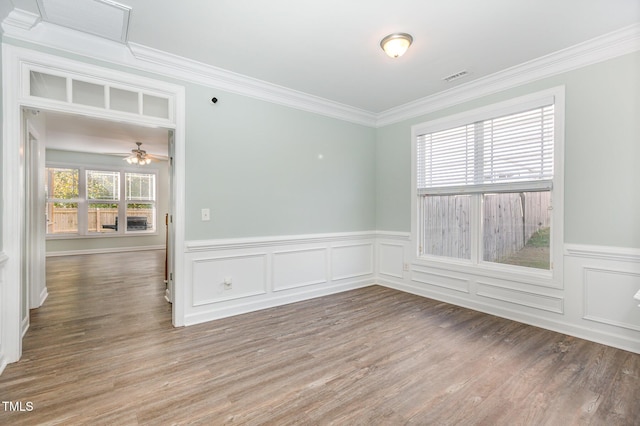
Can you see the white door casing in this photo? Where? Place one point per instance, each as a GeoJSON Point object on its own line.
{"type": "Point", "coordinates": [16, 63]}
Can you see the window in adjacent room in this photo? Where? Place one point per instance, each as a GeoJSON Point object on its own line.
{"type": "Point", "coordinates": [94, 202]}
{"type": "Point", "coordinates": [103, 200]}
{"type": "Point", "coordinates": [140, 196]}
{"type": "Point", "coordinates": [63, 196]}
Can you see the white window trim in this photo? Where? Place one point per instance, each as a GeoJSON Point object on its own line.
{"type": "Point", "coordinates": [83, 202]}
{"type": "Point", "coordinates": [532, 276]}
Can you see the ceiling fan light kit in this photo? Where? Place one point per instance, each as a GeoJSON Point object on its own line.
{"type": "Point", "coordinates": [138, 156]}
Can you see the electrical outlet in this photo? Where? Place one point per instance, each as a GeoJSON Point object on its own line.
{"type": "Point", "coordinates": [406, 267]}
{"type": "Point", "coordinates": [206, 214]}
{"type": "Point", "coordinates": [228, 283]}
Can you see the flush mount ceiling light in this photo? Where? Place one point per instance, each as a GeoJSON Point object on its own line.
{"type": "Point", "coordinates": [396, 44]}
{"type": "Point", "coordinates": [138, 156]}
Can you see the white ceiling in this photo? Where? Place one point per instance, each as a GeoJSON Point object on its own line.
{"type": "Point", "coordinates": [330, 48]}
{"type": "Point", "coordinates": [85, 134]}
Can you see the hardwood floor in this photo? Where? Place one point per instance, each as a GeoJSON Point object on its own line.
{"type": "Point", "coordinates": [102, 351]}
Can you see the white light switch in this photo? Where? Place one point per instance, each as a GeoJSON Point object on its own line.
{"type": "Point", "coordinates": [206, 214]}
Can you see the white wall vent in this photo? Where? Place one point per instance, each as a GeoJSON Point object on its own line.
{"type": "Point", "coordinates": [455, 76]}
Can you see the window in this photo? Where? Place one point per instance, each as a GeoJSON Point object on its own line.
{"type": "Point", "coordinates": [63, 195]}
{"type": "Point", "coordinates": [487, 185]}
{"type": "Point", "coordinates": [103, 198]}
{"type": "Point", "coordinates": [98, 94]}
{"type": "Point", "coordinates": [97, 202]}
{"type": "Point", "coordinates": [140, 194]}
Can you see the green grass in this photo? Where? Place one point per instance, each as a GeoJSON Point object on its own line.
{"type": "Point", "coordinates": [540, 238]}
{"type": "Point", "coordinates": [535, 253]}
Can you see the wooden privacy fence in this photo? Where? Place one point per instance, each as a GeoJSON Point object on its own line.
{"type": "Point", "coordinates": [509, 221]}
{"type": "Point", "coordinates": [65, 220]}
{"type": "Point", "coordinates": [446, 222]}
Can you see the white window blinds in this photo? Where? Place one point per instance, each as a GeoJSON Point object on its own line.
{"type": "Point", "coordinates": [503, 153]}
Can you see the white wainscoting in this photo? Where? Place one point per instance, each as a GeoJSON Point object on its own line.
{"type": "Point", "coordinates": [601, 283]}
{"type": "Point", "coordinates": [594, 302]}
{"type": "Point", "coordinates": [230, 277]}
{"type": "Point", "coordinates": [352, 261]}
{"type": "Point", "coordinates": [391, 259]}
{"type": "Point", "coordinates": [3, 358]}
{"type": "Point", "coordinates": [441, 279]}
{"type": "Point", "coordinates": [507, 293]}
{"type": "Point", "coordinates": [299, 268]}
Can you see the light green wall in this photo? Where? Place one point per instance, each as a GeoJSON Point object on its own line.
{"type": "Point", "coordinates": [162, 205]}
{"type": "Point", "coordinates": [602, 190]}
{"type": "Point", "coordinates": [602, 154]}
{"type": "Point", "coordinates": [256, 165]}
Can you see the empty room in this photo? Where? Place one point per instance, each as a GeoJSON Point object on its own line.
{"type": "Point", "coordinates": [321, 212]}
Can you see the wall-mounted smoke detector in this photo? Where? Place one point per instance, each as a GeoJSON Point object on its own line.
{"type": "Point", "coordinates": [455, 76]}
{"type": "Point", "coordinates": [103, 18]}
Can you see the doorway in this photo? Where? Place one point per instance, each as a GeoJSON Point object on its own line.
{"type": "Point", "coordinates": [33, 290]}
{"type": "Point", "coordinates": [18, 94]}
{"type": "Point", "coordinates": [80, 153]}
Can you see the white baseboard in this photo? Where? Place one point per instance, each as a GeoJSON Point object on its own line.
{"type": "Point", "coordinates": [3, 362]}
{"type": "Point", "coordinates": [24, 325]}
{"type": "Point", "coordinates": [43, 296]}
{"type": "Point", "coordinates": [3, 359]}
{"type": "Point", "coordinates": [104, 250]}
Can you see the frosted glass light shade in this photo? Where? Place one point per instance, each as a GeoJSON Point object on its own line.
{"type": "Point", "coordinates": [396, 44]}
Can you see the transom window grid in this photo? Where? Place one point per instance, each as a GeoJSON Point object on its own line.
{"type": "Point", "coordinates": [77, 92]}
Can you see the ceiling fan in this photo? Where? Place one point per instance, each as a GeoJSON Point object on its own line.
{"type": "Point", "coordinates": [138, 156]}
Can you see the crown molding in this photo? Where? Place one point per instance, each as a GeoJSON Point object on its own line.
{"type": "Point", "coordinates": [26, 26]}
{"type": "Point", "coordinates": [608, 46]}
{"type": "Point", "coordinates": [19, 18]}
{"type": "Point", "coordinates": [47, 35]}
{"type": "Point", "coordinates": [236, 83]}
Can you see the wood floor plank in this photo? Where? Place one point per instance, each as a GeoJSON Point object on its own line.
{"type": "Point", "coordinates": [102, 351]}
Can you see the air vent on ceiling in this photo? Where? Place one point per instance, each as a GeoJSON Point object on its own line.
{"type": "Point", "coordinates": [104, 18]}
{"type": "Point", "coordinates": [455, 76]}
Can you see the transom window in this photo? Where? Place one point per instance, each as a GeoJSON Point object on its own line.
{"type": "Point", "coordinates": [88, 201]}
{"type": "Point", "coordinates": [486, 185]}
